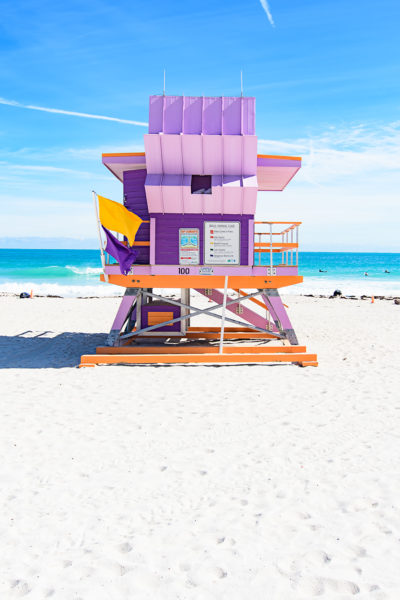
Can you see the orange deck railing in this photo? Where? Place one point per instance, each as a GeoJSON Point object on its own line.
{"type": "Point", "coordinates": [286, 245]}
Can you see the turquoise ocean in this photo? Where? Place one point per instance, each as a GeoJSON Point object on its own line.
{"type": "Point", "coordinates": [74, 273]}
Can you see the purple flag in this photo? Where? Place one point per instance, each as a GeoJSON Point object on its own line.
{"type": "Point", "coordinates": [123, 254]}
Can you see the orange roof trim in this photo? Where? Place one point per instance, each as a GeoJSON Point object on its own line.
{"type": "Point", "coordinates": [123, 154]}
{"type": "Point", "coordinates": [275, 156]}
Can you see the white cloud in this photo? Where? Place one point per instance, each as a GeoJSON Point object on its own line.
{"type": "Point", "coordinates": [70, 113]}
{"type": "Point", "coordinates": [267, 11]}
{"type": "Point", "coordinates": [61, 154]}
{"type": "Point", "coordinates": [43, 169]}
{"type": "Point", "coordinates": [354, 152]}
{"type": "Point", "coordinates": [347, 191]}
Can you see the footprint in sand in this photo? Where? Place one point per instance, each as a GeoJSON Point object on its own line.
{"type": "Point", "coordinates": [317, 586]}
{"type": "Point", "coordinates": [20, 587]}
{"type": "Point", "coordinates": [125, 547]}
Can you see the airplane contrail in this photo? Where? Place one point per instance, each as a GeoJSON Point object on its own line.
{"type": "Point", "coordinates": [265, 5]}
{"type": "Point", "coordinates": [71, 113]}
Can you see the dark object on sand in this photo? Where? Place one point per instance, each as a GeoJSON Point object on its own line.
{"type": "Point", "coordinates": [24, 295]}
{"type": "Point", "coordinates": [337, 293]}
{"type": "Point", "coordinates": [397, 300]}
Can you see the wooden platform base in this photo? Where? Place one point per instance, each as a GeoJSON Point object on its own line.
{"type": "Point", "coordinates": [172, 354]}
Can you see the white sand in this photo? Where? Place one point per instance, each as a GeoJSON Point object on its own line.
{"type": "Point", "coordinates": [199, 482]}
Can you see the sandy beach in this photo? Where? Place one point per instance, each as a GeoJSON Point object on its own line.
{"type": "Point", "coordinates": [199, 482]}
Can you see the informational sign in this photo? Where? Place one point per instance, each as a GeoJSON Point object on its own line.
{"type": "Point", "coordinates": [189, 246]}
{"type": "Point", "coordinates": [221, 243]}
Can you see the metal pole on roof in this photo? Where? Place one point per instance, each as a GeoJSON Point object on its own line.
{"type": "Point", "coordinates": [164, 84]}
{"type": "Point", "coordinates": [241, 83]}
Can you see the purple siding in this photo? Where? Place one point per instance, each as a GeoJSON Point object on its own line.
{"type": "Point", "coordinates": [167, 234]}
{"type": "Point", "coordinates": [135, 200]}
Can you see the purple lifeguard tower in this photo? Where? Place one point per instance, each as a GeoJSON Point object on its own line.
{"type": "Point", "coordinates": [195, 187]}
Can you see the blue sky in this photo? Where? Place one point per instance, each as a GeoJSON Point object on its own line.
{"type": "Point", "coordinates": [326, 76]}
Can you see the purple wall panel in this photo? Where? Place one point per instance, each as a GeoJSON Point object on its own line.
{"type": "Point", "coordinates": [212, 116]}
{"type": "Point", "coordinates": [192, 114]}
{"type": "Point", "coordinates": [135, 200]}
{"type": "Point", "coordinates": [249, 116]}
{"type": "Point", "coordinates": [167, 234]}
{"type": "Point", "coordinates": [231, 121]}
{"type": "Point", "coordinates": [155, 114]}
{"type": "Point", "coordinates": [173, 111]}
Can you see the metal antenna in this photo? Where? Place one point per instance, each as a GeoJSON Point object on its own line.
{"type": "Point", "coordinates": [241, 83]}
{"type": "Point", "coordinates": [164, 84]}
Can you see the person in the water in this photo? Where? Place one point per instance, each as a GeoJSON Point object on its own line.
{"type": "Point", "coordinates": [321, 271]}
{"type": "Point", "coordinates": [365, 274]}
{"type": "Point", "coordinates": [386, 271]}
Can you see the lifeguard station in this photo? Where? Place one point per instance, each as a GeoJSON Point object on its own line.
{"type": "Point", "coordinates": [194, 190]}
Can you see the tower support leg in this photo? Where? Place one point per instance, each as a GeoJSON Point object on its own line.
{"type": "Point", "coordinates": [125, 308]}
{"type": "Point", "coordinates": [279, 315]}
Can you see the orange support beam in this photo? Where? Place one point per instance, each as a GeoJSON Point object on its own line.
{"type": "Point", "coordinates": [203, 281]}
{"type": "Point", "coordinates": [93, 359]}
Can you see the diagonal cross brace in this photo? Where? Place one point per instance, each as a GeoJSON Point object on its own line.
{"type": "Point", "coordinates": [248, 315]}
{"type": "Point", "coordinates": [196, 312]}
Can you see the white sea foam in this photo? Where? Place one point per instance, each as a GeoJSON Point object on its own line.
{"type": "Point", "coordinates": [84, 270]}
{"type": "Point", "coordinates": [310, 286]}
{"type": "Point", "coordinates": [55, 289]}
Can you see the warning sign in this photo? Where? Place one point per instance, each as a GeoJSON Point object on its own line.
{"type": "Point", "coordinates": [189, 246]}
{"type": "Point", "coordinates": [221, 243]}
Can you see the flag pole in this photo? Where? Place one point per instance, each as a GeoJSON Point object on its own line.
{"type": "Point", "coordinates": [103, 260]}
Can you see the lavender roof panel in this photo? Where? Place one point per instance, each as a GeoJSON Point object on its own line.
{"type": "Point", "coordinates": [155, 114]}
{"type": "Point", "coordinates": [249, 116]}
{"type": "Point", "coordinates": [212, 116]}
{"type": "Point", "coordinates": [173, 111]}
{"type": "Point", "coordinates": [271, 161]}
{"type": "Point", "coordinates": [128, 159]}
{"type": "Point", "coordinates": [231, 121]}
{"type": "Point", "coordinates": [194, 115]}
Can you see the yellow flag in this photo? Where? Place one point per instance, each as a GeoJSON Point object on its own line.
{"type": "Point", "coordinates": [116, 217]}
